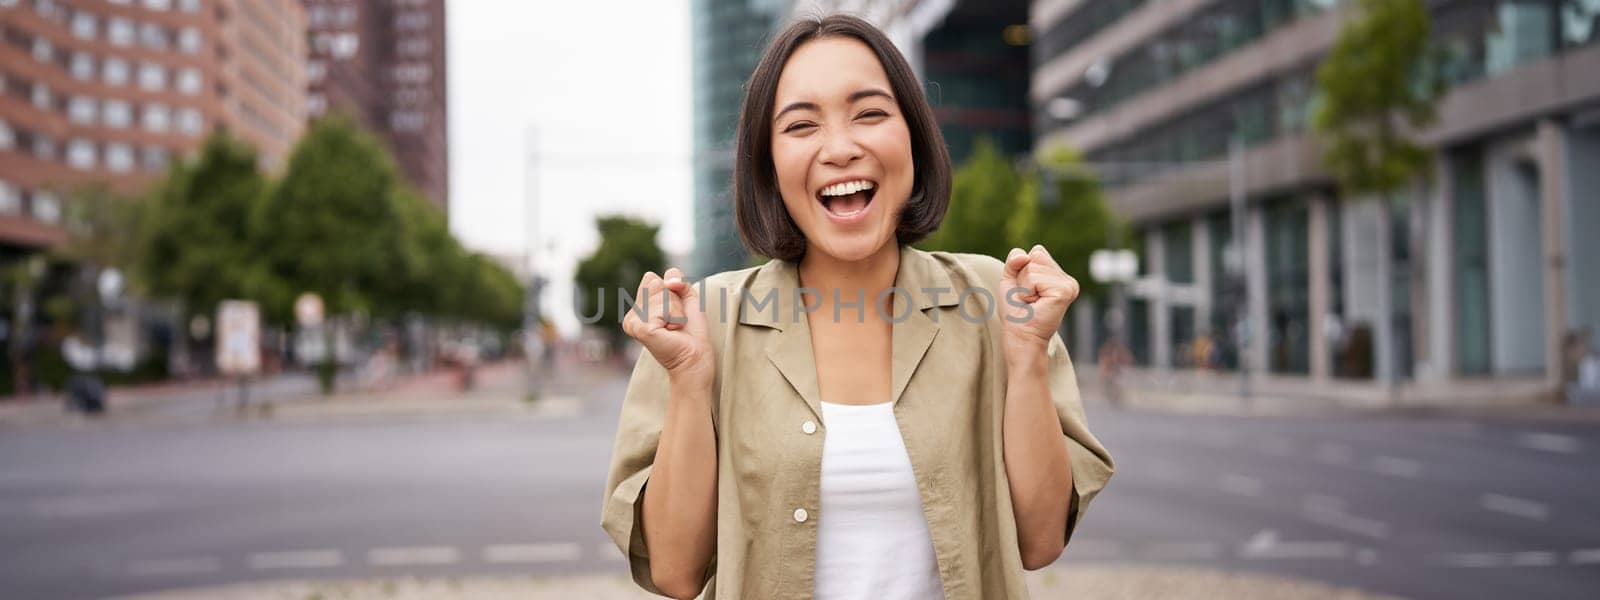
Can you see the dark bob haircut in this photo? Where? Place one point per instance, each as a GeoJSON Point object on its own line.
{"type": "Point", "coordinates": [764, 222]}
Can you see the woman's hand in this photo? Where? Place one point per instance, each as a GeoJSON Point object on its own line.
{"type": "Point", "coordinates": [677, 336]}
{"type": "Point", "coordinates": [1032, 314]}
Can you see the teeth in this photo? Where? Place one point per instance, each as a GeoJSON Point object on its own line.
{"type": "Point", "coordinates": [848, 187]}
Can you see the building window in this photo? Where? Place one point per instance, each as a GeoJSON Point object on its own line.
{"type": "Point", "coordinates": [10, 196]}
{"type": "Point", "coordinates": [82, 110]}
{"type": "Point", "coordinates": [115, 71]}
{"type": "Point", "coordinates": [158, 4]}
{"type": "Point", "coordinates": [347, 15]}
{"type": "Point", "coordinates": [119, 157]}
{"type": "Point", "coordinates": [407, 120]}
{"type": "Point", "coordinates": [83, 66]}
{"type": "Point", "coordinates": [189, 5]}
{"type": "Point", "coordinates": [44, 148]}
{"type": "Point", "coordinates": [8, 138]}
{"type": "Point", "coordinates": [152, 76]}
{"type": "Point", "coordinates": [157, 117]}
{"type": "Point", "coordinates": [417, 46]}
{"type": "Point", "coordinates": [153, 36]}
{"type": "Point", "coordinates": [117, 113]}
{"type": "Point", "coordinates": [189, 40]}
{"type": "Point", "coordinates": [84, 25]}
{"type": "Point", "coordinates": [41, 96]}
{"type": "Point", "coordinates": [120, 31]}
{"type": "Point", "coordinates": [80, 154]}
{"type": "Point", "coordinates": [411, 20]}
{"type": "Point", "coordinates": [316, 70]}
{"type": "Point", "coordinates": [43, 50]}
{"type": "Point", "coordinates": [46, 207]}
{"type": "Point", "coordinates": [189, 81]}
{"type": "Point", "coordinates": [316, 104]}
{"type": "Point", "coordinates": [344, 45]}
{"type": "Point", "coordinates": [190, 122]}
{"type": "Point", "coordinates": [155, 158]}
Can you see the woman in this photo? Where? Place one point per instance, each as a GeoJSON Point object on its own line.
{"type": "Point", "coordinates": [856, 418]}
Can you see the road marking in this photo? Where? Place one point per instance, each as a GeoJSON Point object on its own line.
{"type": "Point", "coordinates": [1183, 550]}
{"type": "Point", "coordinates": [1241, 485]}
{"type": "Point", "coordinates": [1549, 442]}
{"type": "Point", "coordinates": [1333, 454]}
{"type": "Point", "coordinates": [1534, 559]}
{"type": "Point", "coordinates": [609, 551]}
{"type": "Point", "coordinates": [1093, 549]}
{"type": "Point", "coordinates": [1516, 507]}
{"type": "Point", "coordinates": [531, 553]}
{"type": "Point", "coordinates": [1397, 467]}
{"type": "Point", "coordinates": [1322, 503]}
{"type": "Point", "coordinates": [298, 559]}
{"type": "Point", "coordinates": [414, 555]}
{"type": "Point", "coordinates": [1588, 556]}
{"type": "Point", "coordinates": [1337, 519]}
{"type": "Point", "coordinates": [175, 566]}
{"type": "Point", "coordinates": [1471, 560]}
{"type": "Point", "coordinates": [1301, 551]}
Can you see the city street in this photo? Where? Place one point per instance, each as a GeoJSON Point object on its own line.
{"type": "Point", "coordinates": [1419, 507]}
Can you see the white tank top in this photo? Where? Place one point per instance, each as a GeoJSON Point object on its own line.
{"type": "Point", "coordinates": [872, 538]}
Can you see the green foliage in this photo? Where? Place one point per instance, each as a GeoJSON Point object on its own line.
{"type": "Point", "coordinates": [1372, 88]}
{"type": "Point", "coordinates": [983, 200]}
{"type": "Point", "coordinates": [995, 207]}
{"type": "Point", "coordinates": [627, 250]}
{"type": "Point", "coordinates": [200, 231]}
{"type": "Point", "coordinates": [340, 223]}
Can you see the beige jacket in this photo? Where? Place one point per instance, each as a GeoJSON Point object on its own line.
{"type": "Point", "coordinates": [949, 381]}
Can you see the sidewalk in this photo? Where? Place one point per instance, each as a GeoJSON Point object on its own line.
{"type": "Point", "coordinates": [499, 390]}
{"type": "Point", "coordinates": [1106, 582]}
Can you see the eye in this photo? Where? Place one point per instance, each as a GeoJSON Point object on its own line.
{"type": "Point", "coordinates": [872, 113]}
{"type": "Point", "coordinates": [799, 126]}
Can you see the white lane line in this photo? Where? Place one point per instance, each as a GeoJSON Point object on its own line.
{"type": "Point", "coordinates": [531, 553]}
{"type": "Point", "coordinates": [1587, 556]}
{"type": "Point", "coordinates": [1336, 519]}
{"type": "Point", "coordinates": [1516, 507]}
{"type": "Point", "coordinates": [1471, 560]}
{"type": "Point", "coordinates": [609, 551]}
{"type": "Point", "coordinates": [1534, 559]}
{"type": "Point", "coordinates": [1549, 442]}
{"type": "Point", "coordinates": [413, 555]}
{"type": "Point", "coordinates": [1093, 549]}
{"type": "Point", "coordinates": [175, 566]}
{"type": "Point", "coordinates": [1241, 485]}
{"type": "Point", "coordinates": [1333, 454]}
{"type": "Point", "coordinates": [1322, 503]}
{"type": "Point", "coordinates": [297, 559]}
{"type": "Point", "coordinates": [1183, 550]}
{"type": "Point", "coordinates": [1394, 466]}
{"type": "Point", "coordinates": [1300, 551]}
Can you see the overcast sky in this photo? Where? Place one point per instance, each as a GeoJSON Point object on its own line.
{"type": "Point", "coordinates": [598, 93]}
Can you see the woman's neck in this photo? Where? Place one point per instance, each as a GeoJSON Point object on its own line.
{"type": "Point", "coordinates": [871, 275]}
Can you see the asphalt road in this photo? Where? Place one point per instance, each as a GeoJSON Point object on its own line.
{"type": "Point", "coordinates": [1417, 507]}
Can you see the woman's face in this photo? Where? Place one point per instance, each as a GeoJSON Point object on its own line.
{"type": "Point", "coordinates": [841, 148]}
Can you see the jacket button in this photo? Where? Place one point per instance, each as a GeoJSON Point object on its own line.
{"type": "Point", "coordinates": [800, 515]}
{"type": "Point", "coordinates": [808, 427]}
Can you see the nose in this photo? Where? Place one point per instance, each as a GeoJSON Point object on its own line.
{"type": "Point", "coordinates": [838, 149]}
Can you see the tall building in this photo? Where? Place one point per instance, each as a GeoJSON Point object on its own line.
{"type": "Point", "coordinates": [1470, 286]}
{"type": "Point", "coordinates": [111, 91]}
{"type": "Point", "coordinates": [728, 38]}
{"type": "Point", "coordinates": [383, 63]}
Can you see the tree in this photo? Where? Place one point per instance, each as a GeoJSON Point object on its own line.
{"type": "Point", "coordinates": [983, 201]}
{"type": "Point", "coordinates": [1072, 221]}
{"type": "Point", "coordinates": [1373, 88]}
{"type": "Point", "coordinates": [627, 250]}
{"type": "Point", "coordinates": [199, 234]}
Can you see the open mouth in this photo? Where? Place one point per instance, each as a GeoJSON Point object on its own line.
{"type": "Point", "coordinates": [848, 198]}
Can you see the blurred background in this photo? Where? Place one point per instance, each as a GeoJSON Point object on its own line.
{"type": "Point", "coordinates": [313, 297]}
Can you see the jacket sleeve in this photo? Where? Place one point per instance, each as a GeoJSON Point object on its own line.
{"type": "Point", "coordinates": [1091, 463]}
{"type": "Point", "coordinates": [644, 408]}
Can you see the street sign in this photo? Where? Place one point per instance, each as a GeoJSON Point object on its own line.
{"type": "Point", "coordinates": [238, 337]}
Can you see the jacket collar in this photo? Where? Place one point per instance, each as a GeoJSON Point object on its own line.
{"type": "Point", "coordinates": [925, 282]}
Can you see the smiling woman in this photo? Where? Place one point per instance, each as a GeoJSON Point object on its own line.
{"type": "Point", "coordinates": [906, 451]}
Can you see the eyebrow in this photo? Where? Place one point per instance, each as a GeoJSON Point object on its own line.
{"type": "Point", "coordinates": [854, 97]}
